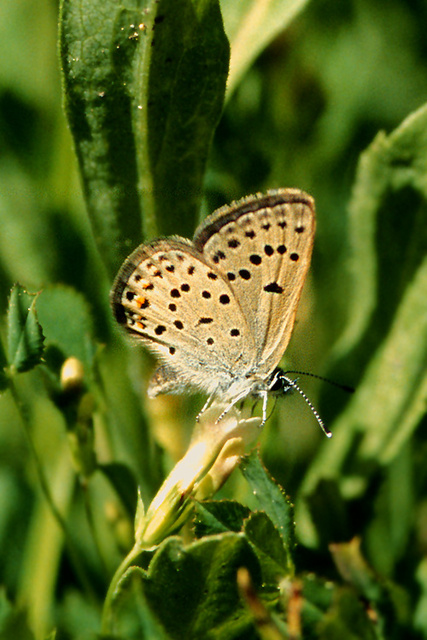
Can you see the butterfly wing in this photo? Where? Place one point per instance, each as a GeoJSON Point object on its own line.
{"type": "Point", "coordinates": [262, 246]}
{"type": "Point", "coordinates": [183, 310]}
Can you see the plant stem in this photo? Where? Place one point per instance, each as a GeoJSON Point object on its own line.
{"type": "Point", "coordinates": [71, 549]}
{"type": "Point", "coordinates": [107, 623]}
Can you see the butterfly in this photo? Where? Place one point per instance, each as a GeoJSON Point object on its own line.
{"type": "Point", "coordinates": [218, 311]}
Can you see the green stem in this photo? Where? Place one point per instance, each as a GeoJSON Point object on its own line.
{"type": "Point", "coordinates": [72, 551]}
{"type": "Point", "coordinates": [91, 523]}
{"type": "Point", "coordinates": [107, 624]}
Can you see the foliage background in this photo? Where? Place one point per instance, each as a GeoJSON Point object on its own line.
{"type": "Point", "coordinates": [301, 116]}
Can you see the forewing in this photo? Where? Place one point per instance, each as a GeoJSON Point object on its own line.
{"type": "Point", "coordinates": [262, 246]}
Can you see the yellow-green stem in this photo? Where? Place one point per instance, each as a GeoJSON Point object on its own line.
{"type": "Point", "coordinates": [107, 625]}
{"type": "Point", "coordinates": [78, 566]}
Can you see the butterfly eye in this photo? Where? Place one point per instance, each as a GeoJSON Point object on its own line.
{"type": "Point", "coordinates": [276, 386]}
{"type": "Point", "coordinates": [278, 382]}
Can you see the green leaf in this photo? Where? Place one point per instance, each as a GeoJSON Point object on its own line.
{"type": "Point", "coordinates": [132, 612]}
{"type": "Point", "coordinates": [139, 519]}
{"type": "Point", "coordinates": [354, 569]}
{"type": "Point", "coordinates": [266, 541]}
{"type": "Point", "coordinates": [270, 496]}
{"type": "Point", "coordinates": [420, 614]}
{"type": "Point", "coordinates": [144, 86]}
{"type": "Point", "coordinates": [67, 323]}
{"type": "Point", "coordinates": [25, 335]}
{"type": "Point", "coordinates": [392, 605]}
{"type": "Point", "coordinates": [193, 588]}
{"type": "Point", "coordinates": [348, 619]}
{"type": "Point", "coordinates": [387, 406]}
{"type": "Point", "coordinates": [328, 512]}
{"type": "Point", "coordinates": [318, 595]}
{"type": "Point", "coordinates": [389, 165]}
{"type": "Point", "coordinates": [218, 516]}
{"type": "Point", "coordinates": [388, 314]}
{"type": "Point", "coordinates": [250, 26]}
{"type": "Point", "coordinates": [13, 621]}
{"type": "Point", "coordinates": [123, 481]}
{"type": "Point", "coordinates": [3, 365]}
{"type": "Point", "coordinates": [389, 532]}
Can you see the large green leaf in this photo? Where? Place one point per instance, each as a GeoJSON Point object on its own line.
{"type": "Point", "coordinates": [388, 309]}
{"type": "Point", "coordinates": [193, 589]}
{"type": "Point", "coordinates": [144, 85]}
{"type": "Point", "coordinates": [380, 235]}
{"type": "Point", "coordinates": [387, 407]}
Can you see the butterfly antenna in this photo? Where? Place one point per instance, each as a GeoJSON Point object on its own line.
{"type": "Point", "coordinates": [294, 385]}
{"type": "Point", "coordinates": [344, 387]}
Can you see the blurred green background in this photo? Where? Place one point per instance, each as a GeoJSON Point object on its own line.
{"type": "Point", "coordinates": [313, 101]}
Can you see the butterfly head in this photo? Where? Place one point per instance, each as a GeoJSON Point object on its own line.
{"type": "Point", "coordinates": [280, 384]}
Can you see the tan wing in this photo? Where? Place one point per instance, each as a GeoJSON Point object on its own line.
{"type": "Point", "coordinates": [262, 245]}
{"type": "Point", "coordinates": [182, 309]}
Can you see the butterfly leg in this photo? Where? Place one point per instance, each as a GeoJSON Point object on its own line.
{"type": "Point", "coordinates": [206, 405]}
{"type": "Point", "coordinates": [265, 417]}
{"type": "Point", "coordinates": [264, 395]}
{"type": "Point", "coordinates": [234, 401]}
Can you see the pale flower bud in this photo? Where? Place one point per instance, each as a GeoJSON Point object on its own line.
{"type": "Point", "coordinates": [214, 452]}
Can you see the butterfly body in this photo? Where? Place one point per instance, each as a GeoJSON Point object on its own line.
{"type": "Point", "coordinates": [218, 311]}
